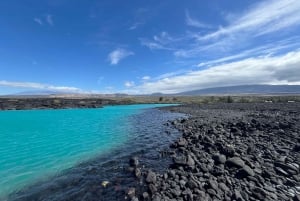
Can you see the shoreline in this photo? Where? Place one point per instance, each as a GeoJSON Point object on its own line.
{"type": "Point", "coordinates": [54, 103]}
{"type": "Point", "coordinates": [229, 152]}
{"type": "Point", "coordinates": [84, 181]}
{"type": "Point", "coordinates": [7, 104]}
{"type": "Point", "coordinates": [61, 102]}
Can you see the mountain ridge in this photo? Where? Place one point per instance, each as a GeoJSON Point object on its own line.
{"type": "Point", "coordinates": [245, 89]}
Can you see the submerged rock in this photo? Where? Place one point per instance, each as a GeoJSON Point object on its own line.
{"type": "Point", "coordinates": [134, 162]}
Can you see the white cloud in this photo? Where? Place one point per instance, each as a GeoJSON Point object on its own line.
{"type": "Point", "coordinates": [163, 38]}
{"type": "Point", "coordinates": [145, 78]}
{"type": "Point", "coordinates": [264, 50]}
{"type": "Point", "coordinates": [193, 22]}
{"type": "Point", "coordinates": [265, 17]}
{"type": "Point", "coordinates": [38, 20]}
{"type": "Point", "coordinates": [170, 74]}
{"type": "Point", "coordinates": [244, 30]}
{"type": "Point", "coordinates": [140, 15]}
{"type": "Point", "coordinates": [136, 25]}
{"type": "Point", "coordinates": [129, 84]}
{"type": "Point", "coordinates": [283, 69]}
{"type": "Point", "coordinates": [34, 85]}
{"type": "Point", "coordinates": [152, 45]}
{"type": "Point", "coordinates": [49, 20]}
{"type": "Point", "coordinates": [117, 55]}
{"type": "Point", "coordinates": [162, 41]}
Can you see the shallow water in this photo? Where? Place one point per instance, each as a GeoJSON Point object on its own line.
{"type": "Point", "coordinates": [72, 146]}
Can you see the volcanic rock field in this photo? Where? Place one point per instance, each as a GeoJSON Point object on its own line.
{"type": "Point", "coordinates": [233, 151]}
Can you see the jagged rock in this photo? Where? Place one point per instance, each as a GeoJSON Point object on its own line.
{"type": "Point", "coordinates": [227, 151]}
{"type": "Point", "coordinates": [152, 189]}
{"type": "Point", "coordinates": [235, 162]}
{"type": "Point", "coordinates": [297, 198]}
{"type": "Point", "coordinates": [145, 196]}
{"type": "Point", "coordinates": [190, 161]}
{"type": "Point", "coordinates": [182, 142]}
{"type": "Point", "coordinates": [134, 199]}
{"type": "Point", "coordinates": [281, 171]}
{"type": "Point", "coordinates": [259, 193]}
{"type": "Point", "coordinates": [238, 196]}
{"type": "Point", "coordinates": [223, 187]}
{"type": "Point", "coordinates": [192, 184]}
{"type": "Point", "coordinates": [213, 184]}
{"type": "Point", "coordinates": [219, 158]}
{"type": "Point", "coordinates": [138, 172]}
{"type": "Point", "coordinates": [130, 192]}
{"type": "Point", "coordinates": [245, 172]}
{"type": "Point", "coordinates": [287, 167]}
{"type": "Point", "coordinates": [297, 148]}
{"type": "Point", "coordinates": [134, 162]}
{"type": "Point", "coordinates": [151, 177]}
{"type": "Point", "coordinates": [156, 197]}
{"type": "Point", "coordinates": [180, 160]}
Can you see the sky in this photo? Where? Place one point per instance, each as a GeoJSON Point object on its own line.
{"type": "Point", "coordinates": [144, 47]}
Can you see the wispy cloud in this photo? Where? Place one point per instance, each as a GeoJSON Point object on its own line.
{"type": "Point", "coordinates": [140, 17]}
{"type": "Point", "coordinates": [244, 30]}
{"type": "Point", "coordinates": [34, 85]}
{"type": "Point", "coordinates": [265, 17]}
{"type": "Point", "coordinates": [153, 45]}
{"type": "Point", "coordinates": [49, 20]}
{"type": "Point", "coordinates": [170, 74]}
{"type": "Point", "coordinates": [162, 41]}
{"type": "Point", "coordinates": [264, 50]}
{"type": "Point", "coordinates": [145, 78]}
{"type": "Point", "coordinates": [129, 84]}
{"type": "Point", "coordinates": [118, 54]}
{"type": "Point", "coordinates": [282, 69]}
{"type": "Point", "coordinates": [136, 25]}
{"type": "Point", "coordinates": [39, 21]}
{"type": "Point", "coordinates": [163, 38]}
{"type": "Point", "coordinates": [193, 22]}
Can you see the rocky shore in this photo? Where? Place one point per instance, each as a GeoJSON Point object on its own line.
{"type": "Point", "coordinates": [227, 152]}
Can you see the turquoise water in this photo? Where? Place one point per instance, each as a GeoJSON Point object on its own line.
{"type": "Point", "coordinates": [35, 144]}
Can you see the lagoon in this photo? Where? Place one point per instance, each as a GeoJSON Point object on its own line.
{"type": "Point", "coordinates": [36, 144]}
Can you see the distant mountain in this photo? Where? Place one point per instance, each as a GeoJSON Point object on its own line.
{"type": "Point", "coordinates": [157, 94]}
{"type": "Point", "coordinates": [39, 93]}
{"type": "Point", "coordinates": [246, 89]}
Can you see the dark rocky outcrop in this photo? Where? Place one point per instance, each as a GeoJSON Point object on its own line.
{"type": "Point", "coordinates": [27, 103]}
{"type": "Point", "coordinates": [231, 152]}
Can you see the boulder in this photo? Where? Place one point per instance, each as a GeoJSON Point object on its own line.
{"type": "Point", "coordinates": [259, 193]}
{"type": "Point", "coordinates": [151, 177]}
{"type": "Point", "coordinates": [245, 172]}
{"type": "Point", "coordinates": [235, 162]}
{"type": "Point", "coordinates": [130, 192]}
{"type": "Point", "coordinates": [219, 158]}
{"type": "Point", "coordinates": [134, 162]}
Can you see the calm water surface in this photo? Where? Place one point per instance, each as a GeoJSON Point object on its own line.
{"type": "Point", "coordinates": [36, 144]}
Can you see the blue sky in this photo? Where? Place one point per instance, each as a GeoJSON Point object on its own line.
{"type": "Point", "coordinates": [143, 46]}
